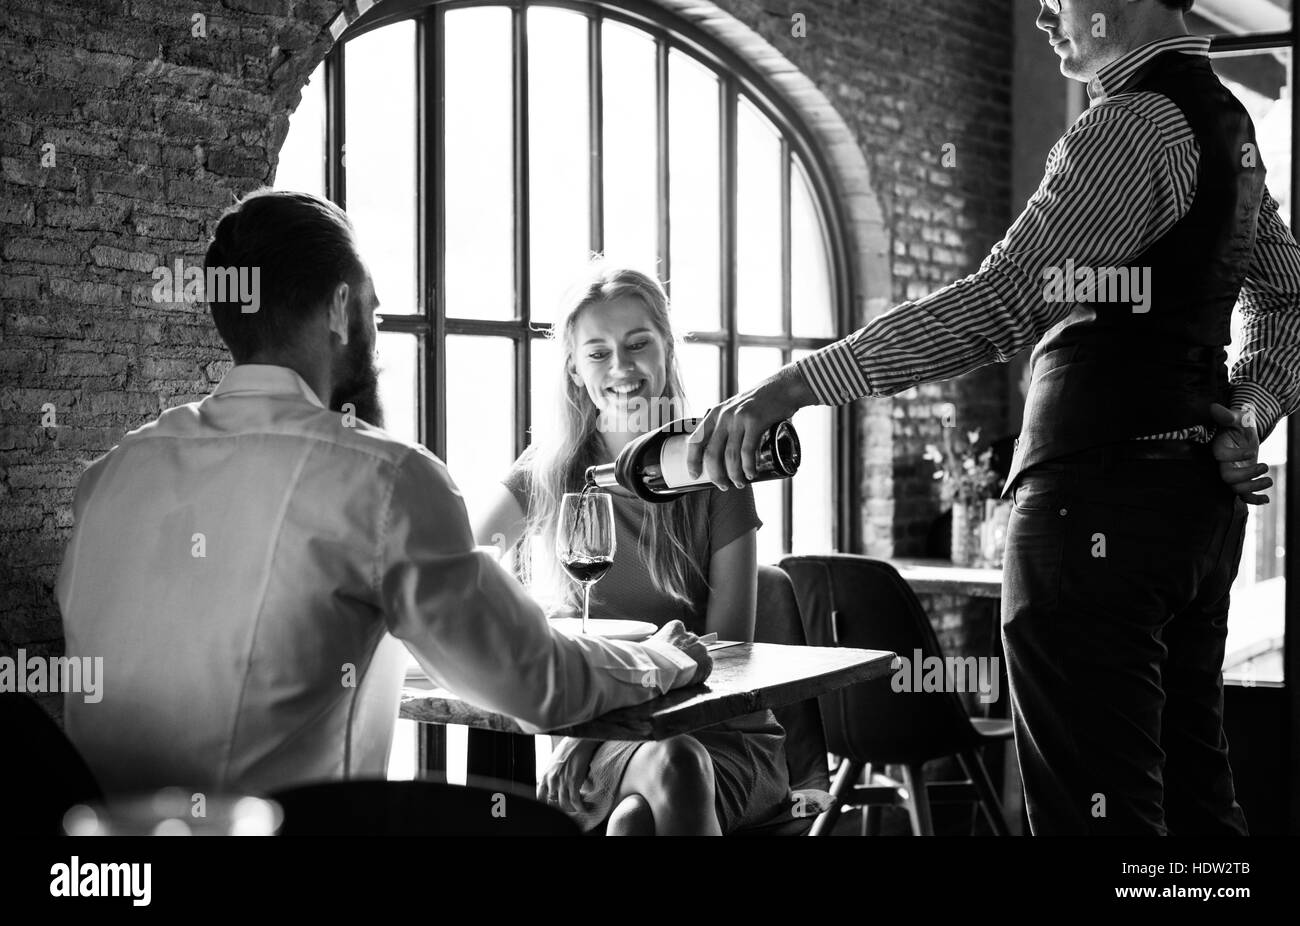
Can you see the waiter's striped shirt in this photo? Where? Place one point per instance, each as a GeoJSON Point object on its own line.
{"type": "Point", "coordinates": [1115, 183]}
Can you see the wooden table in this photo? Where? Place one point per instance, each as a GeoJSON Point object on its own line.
{"type": "Point", "coordinates": [746, 678]}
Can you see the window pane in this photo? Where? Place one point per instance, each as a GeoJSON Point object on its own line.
{"type": "Point", "coordinates": [1257, 623]}
{"type": "Point", "coordinates": [478, 168]}
{"type": "Point", "coordinates": [480, 416]}
{"type": "Point", "coordinates": [811, 307]}
{"type": "Point", "coordinates": [700, 365]}
{"type": "Point", "coordinates": [302, 157]}
{"type": "Point", "coordinates": [695, 211]}
{"type": "Point", "coordinates": [756, 364]}
{"type": "Point", "coordinates": [380, 160]}
{"type": "Point", "coordinates": [813, 488]}
{"type": "Point", "coordinates": [398, 383]}
{"type": "Point", "coordinates": [558, 154]}
{"type": "Point", "coordinates": [758, 222]}
{"type": "Point", "coordinates": [630, 144]}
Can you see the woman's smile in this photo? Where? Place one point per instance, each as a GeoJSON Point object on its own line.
{"type": "Point", "coordinates": [628, 389]}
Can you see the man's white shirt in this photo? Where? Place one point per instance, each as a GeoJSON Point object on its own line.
{"type": "Point", "coordinates": [246, 565]}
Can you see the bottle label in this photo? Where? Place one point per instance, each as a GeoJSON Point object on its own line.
{"type": "Point", "coordinates": [672, 464]}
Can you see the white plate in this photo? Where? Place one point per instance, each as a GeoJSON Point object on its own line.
{"type": "Point", "coordinates": [605, 627]}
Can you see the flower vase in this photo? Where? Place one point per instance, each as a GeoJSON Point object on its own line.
{"type": "Point", "coordinates": [993, 546]}
{"type": "Point", "coordinates": [966, 520]}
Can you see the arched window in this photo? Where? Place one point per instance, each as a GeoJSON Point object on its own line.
{"type": "Point", "coordinates": [484, 150]}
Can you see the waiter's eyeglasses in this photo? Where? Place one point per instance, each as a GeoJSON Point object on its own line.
{"type": "Point", "coordinates": [1054, 6]}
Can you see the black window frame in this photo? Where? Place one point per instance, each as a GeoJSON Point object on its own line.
{"type": "Point", "coordinates": [430, 324]}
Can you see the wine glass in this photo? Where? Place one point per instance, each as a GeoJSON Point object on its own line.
{"type": "Point", "coordinates": [584, 540]}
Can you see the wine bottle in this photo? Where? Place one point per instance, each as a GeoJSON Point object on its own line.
{"type": "Point", "coordinates": [653, 466]}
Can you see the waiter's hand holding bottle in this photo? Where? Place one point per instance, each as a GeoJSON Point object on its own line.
{"type": "Point", "coordinates": [724, 444]}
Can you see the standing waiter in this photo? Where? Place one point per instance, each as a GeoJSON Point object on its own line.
{"type": "Point", "coordinates": [1139, 451]}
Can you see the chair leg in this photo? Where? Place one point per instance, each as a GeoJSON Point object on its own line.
{"type": "Point", "coordinates": [845, 777]}
{"type": "Point", "coordinates": [988, 798]}
{"type": "Point", "coordinates": [918, 800]}
{"type": "Point", "coordinates": [871, 813]}
{"type": "Point", "coordinates": [865, 830]}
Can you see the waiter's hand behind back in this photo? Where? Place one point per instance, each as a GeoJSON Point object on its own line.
{"type": "Point", "coordinates": [725, 443]}
{"type": "Point", "coordinates": [1236, 448]}
{"type": "Point", "coordinates": [675, 633]}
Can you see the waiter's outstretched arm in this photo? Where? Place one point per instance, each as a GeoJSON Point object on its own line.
{"type": "Point", "coordinates": [1115, 183]}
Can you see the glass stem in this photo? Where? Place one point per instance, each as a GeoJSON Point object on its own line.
{"type": "Point", "coordinates": [586, 604]}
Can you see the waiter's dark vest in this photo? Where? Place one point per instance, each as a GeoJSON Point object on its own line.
{"type": "Point", "coordinates": [1106, 373]}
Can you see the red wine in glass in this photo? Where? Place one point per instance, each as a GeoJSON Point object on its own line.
{"type": "Point", "coordinates": [588, 570]}
{"type": "Point", "coordinates": [584, 540]}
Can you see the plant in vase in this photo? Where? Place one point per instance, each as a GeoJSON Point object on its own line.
{"type": "Point", "coordinates": [970, 484]}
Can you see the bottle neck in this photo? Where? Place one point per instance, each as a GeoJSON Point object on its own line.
{"type": "Point", "coordinates": [602, 476]}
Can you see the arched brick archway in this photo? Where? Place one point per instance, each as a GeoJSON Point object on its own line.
{"type": "Point", "coordinates": [866, 239]}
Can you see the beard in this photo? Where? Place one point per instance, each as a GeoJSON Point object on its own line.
{"type": "Point", "coordinates": [356, 377]}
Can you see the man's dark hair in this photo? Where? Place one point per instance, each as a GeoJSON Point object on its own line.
{"type": "Point", "coordinates": [1184, 5]}
{"type": "Point", "coordinates": [303, 247]}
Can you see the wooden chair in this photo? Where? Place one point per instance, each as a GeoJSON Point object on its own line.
{"type": "Point", "coordinates": [857, 601]}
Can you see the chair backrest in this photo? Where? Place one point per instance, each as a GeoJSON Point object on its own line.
{"type": "Point", "coordinates": [417, 808]}
{"type": "Point", "coordinates": [861, 602]}
{"type": "Point", "coordinates": [778, 621]}
{"type": "Point", "coordinates": [43, 775]}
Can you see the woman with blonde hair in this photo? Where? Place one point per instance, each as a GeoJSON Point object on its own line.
{"type": "Point", "coordinates": [693, 559]}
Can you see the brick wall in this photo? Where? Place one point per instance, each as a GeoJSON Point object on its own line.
{"type": "Point", "coordinates": [155, 129]}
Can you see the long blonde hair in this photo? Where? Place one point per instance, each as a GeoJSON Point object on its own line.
{"type": "Point", "coordinates": [560, 459]}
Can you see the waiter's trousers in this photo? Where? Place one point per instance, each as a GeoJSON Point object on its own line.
{"type": "Point", "coordinates": [1114, 616]}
